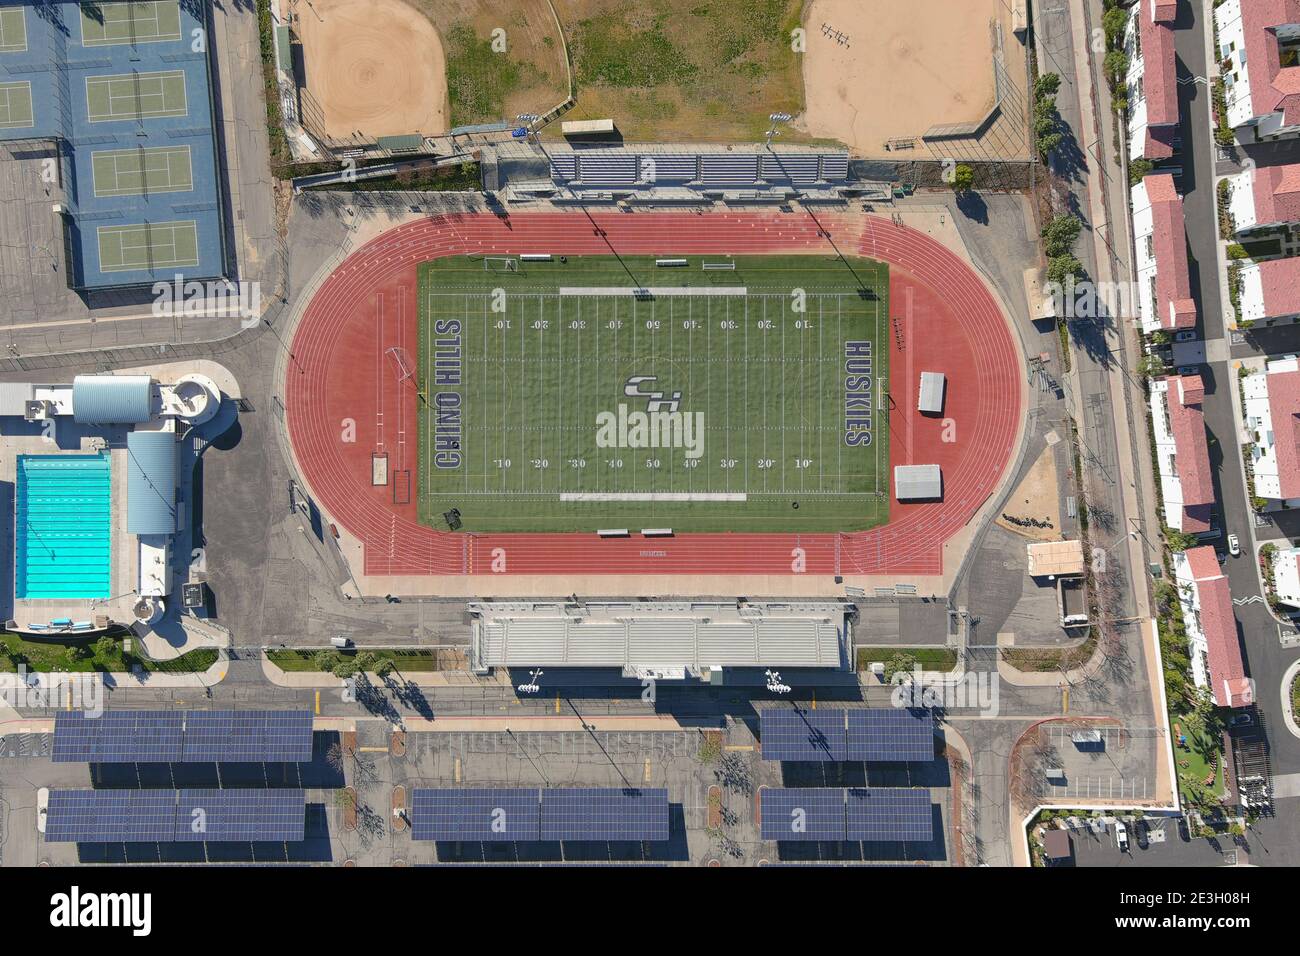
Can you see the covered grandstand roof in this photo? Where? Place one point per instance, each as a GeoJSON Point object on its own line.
{"type": "Point", "coordinates": [151, 482]}
{"type": "Point", "coordinates": [695, 644]}
{"type": "Point", "coordinates": [112, 399]}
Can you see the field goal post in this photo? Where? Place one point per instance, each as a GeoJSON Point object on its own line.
{"type": "Point", "coordinates": [500, 264]}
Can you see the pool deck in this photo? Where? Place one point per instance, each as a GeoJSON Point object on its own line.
{"type": "Point", "coordinates": [72, 439]}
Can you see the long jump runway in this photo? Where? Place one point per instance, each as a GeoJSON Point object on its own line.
{"type": "Point", "coordinates": [352, 416]}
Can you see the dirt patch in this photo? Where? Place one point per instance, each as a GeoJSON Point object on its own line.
{"type": "Point", "coordinates": [1036, 498]}
{"type": "Point", "coordinates": [374, 66]}
{"type": "Point", "coordinates": [881, 70]}
{"type": "Point", "coordinates": [704, 71]}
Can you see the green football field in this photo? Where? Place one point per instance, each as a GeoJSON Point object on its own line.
{"type": "Point", "coordinates": [602, 392]}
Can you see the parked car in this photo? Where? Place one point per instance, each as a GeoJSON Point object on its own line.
{"type": "Point", "coordinates": [1121, 836]}
{"type": "Point", "coordinates": [1234, 546]}
{"type": "Point", "coordinates": [1186, 335]}
{"type": "Point", "coordinates": [1222, 556]}
{"type": "Point", "coordinates": [1189, 370]}
{"type": "Point", "coordinates": [1242, 719]}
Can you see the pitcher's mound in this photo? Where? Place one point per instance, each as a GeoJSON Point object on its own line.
{"type": "Point", "coordinates": [374, 66]}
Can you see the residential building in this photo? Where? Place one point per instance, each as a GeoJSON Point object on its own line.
{"type": "Point", "coordinates": [1286, 576]}
{"type": "Point", "coordinates": [1211, 628]}
{"type": "Point", "coordinates": [1163, 285]}
{"type": "Point", "coordinates": [1272, 404]}
{"type": "Point", "coordinates": [1182, 452]}
{"type": "Point", "coordinates": [1257, 56]}
{"type": "Point", "coordinates": [1152, 80]}
{"type": "Point", "coordinates": [1265, 197]}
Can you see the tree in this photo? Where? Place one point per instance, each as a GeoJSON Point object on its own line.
{"type": "Point", "coordinates": [1048, 143]}
{"type": "Point", "coordinates": [1178, 541]}
{"type": "Point", "coordinates": [106, 646]}
{"type": "Point", "coordinates": [1114, 22]}
{"type": "Point", "coordinates": [1046, 85]}
{"type": "Point", "coordinates": [1138, 169]}
{"type": "Point", "coordinates": [1116, 67]}
{"type": "Point", "coordinates": [963, 179]}
{"type": "Point", "coordinates": [1060, 234]}
{"type": "Point", "coordinates": [326, 660]}
{"type": "Point", "coordinates": [1060, 269]}
{"type": "Point", "coordinates": [366, 661]}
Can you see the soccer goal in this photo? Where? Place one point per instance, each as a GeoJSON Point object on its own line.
{"type": "Point", "coordinates": [500, 264]}
{"type": "Point", "coordinates": [402, 365]}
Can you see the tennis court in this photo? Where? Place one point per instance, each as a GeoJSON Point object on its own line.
{"type": "Point", "coordinates": [130, 96]}
{"type": "Point", "coordinates": [148, 246]}
{"type": "Point", "coordinates": [144, 21]}
{"type": "Point", "coordinates": [142, 171]}
{"type": "Point", "coordinates": [13, 30]}
{"type": "Point", "coordinates": [15, 105]}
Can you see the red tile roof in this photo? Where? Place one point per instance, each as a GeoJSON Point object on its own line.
{"type": "Point", "coordinates": [1276, 191]}
{"type": "Point", "coordinates": [1272, 86]}
{"type": "Point", "coordinates": [1166, 10]}
{"type": "Point", "coordinates": [1159, 73]}
{"type": "Point", "coordinates": [1191, 451]}
{"type": "Point", "coordinates": [1284, 410]}
{"type": "Point", "coordinates": [1280, 284]}
{"type": "Point", "coordinates": [1174, 306]}
{"type": "Point", "coordinates": [1227, 674]}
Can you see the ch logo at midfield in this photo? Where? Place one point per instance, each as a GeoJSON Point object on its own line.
{"type": "Point", "coordinates": [661, 425]}
{"type": "Point", "coordinates": [654, 400]}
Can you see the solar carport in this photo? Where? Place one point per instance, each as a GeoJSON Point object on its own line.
{"type": "Point", "coordinates": [533, 814]}
{"type": "Point", "coordinates": [175, 816]}
{"type": "Point", "coordinates": [836, 815]}
{"type": "Point", "coordinates": [161, 736]}
{"type": "Point", "coordinates": [889, 735]}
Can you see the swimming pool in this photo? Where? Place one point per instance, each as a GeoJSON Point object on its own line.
{"type": "Point", "coordinates": [62, 527]}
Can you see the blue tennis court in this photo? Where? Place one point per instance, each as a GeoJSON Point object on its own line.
{"type": "Point", "coordinates": [62, 527]}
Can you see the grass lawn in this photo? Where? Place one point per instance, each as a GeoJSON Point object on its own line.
{"type": "Point", "coordinates": [1050, 658]}
{"type": "Point", "coordinates": [1199, 758]}
{"type": "Point", "coordinates": [709, 70]}
{"type": "Point", "coordinates": [720, 401]}
{"type": "Point", "coordinates": [403, 661]}
{"type": "Point", "coordinates": [45, 656]}
{"type": "Point", "coordinates": [941, 659]}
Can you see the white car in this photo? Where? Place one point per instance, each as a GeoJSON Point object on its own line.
{"type": "Point", "coordinates": [1234, 546]}
{"type": "Point", "coordinates": [1121, 836]}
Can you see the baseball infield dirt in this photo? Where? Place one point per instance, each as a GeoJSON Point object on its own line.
{"type": "Point", "coordinates": [879, 70]}
{"type": "Point", "coordinates": [374, 66]}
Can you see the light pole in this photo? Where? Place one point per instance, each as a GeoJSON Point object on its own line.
{"type": "Point", "coordinates": [532, 686]}
{"type": "Point", "coordinates": [775, 119]}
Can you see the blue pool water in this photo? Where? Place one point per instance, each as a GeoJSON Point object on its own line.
{"type": "Point", "coordinates": [62, 527]}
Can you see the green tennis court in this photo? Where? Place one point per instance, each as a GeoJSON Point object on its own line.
{"type": "Point", "coordinates": [139, 172]}
{"type": "Point", "coordinates": [148, 245]}
{"type": "Point", "coordinates": [130, 96]}
{"type": "Point", "coordinates": [144, 21]}
{"type": "Point", "coordinates": [15, 104]}
{"type": "Point", "coordinates": [13, 30]}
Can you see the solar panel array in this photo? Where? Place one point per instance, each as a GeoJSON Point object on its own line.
{"type": "Point", "coordinates": [803, 813]}
{"type": "Point", "coordinates": [118, 736]}
{"type": "Point", "coordinates": [166, 816]}
{"type": "Point", "coordinates": [600, 813]}
{"type": "Point", "coordinates": [476, 814]}
{"type": "Point", "coordinates": [891, 734]}
{"type": "Point", "coordinates": [832, 814]}
{"type": "Point", "coordinates": [788, 734]}
{"type": "Point", "coordinates": [248, 735]}
{"type": "Point", "coordinates": [883, 734]}
{"type": "Point", "coordinates": [890, 815]}
{"type": "Point", "coordinates": [158, 736]}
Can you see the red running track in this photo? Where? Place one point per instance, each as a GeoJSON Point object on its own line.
{"type": "Point", "coordinates": [340, 379]}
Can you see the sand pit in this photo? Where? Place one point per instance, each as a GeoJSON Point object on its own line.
{"type": "Point", "coordinates": [371, 65]}
{"type": "Point", "coordinates": [902, 68]}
